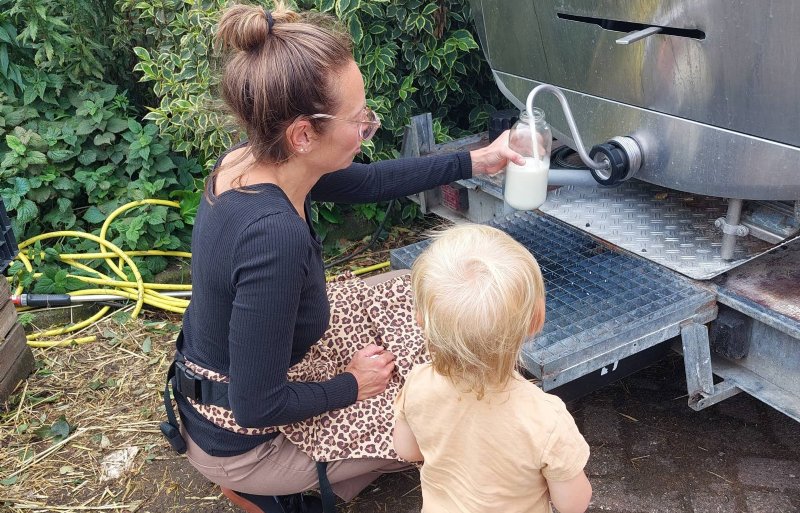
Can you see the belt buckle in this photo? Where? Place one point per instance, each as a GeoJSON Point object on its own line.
{"type": "Point", "coordinates": [189, 383]}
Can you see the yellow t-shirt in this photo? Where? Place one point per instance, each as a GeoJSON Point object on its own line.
{"type": "Point", "coordinates": [489, 455]}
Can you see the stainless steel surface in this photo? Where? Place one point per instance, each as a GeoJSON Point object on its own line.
{"type": "Point", "coordinates": [772, 221]}
{"type": "Point", "coordinates": [579, 177]}
{"type": "Point", "coordinates": [573, 130]}
{"type": "Point", "coordinates": [677, 153]}
{"type": "Point", "coordinates": [711, 98]}
{"type": "Point", "coordinates": [511, 24]}
{"type": "Point", "coordinates": [741, 76]}
{"type": "Point", "coordinates": [638, 35]}
{"type": "Point", "coordinates": [730, 225]}
{"type": "Point", "coordinates": [760, 232]}
{"type": "Point", "coordinates": [634, 153]}
{"type": "Point", "coordinates": [671, 228]}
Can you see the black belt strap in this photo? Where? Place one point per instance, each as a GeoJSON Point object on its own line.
{"type": "Point", "coordinates": [197, 388]}
{"type": "Point", "coordinates": [325, 490]}
{"type": "Point", "coordinates": [170, 428]}
{"type": "Point", "coordinates": [191, 386]}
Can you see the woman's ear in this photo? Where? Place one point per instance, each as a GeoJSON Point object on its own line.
{"type": "Point", "coordinates": [300, 135]}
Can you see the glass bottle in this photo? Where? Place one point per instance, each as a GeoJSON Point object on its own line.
{"type": "Point", "coordinates": [525, 187]}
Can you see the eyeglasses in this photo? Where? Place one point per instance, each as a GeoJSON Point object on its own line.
{"type": "Point", "coordinates": [366, 127]}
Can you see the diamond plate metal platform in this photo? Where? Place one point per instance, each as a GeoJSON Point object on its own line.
{"type": "Point", "coordinates": [673, 228]}
{"type": "Point", "coordinates": [602, 304]}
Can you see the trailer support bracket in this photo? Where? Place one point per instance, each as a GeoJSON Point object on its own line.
{"type": "Point", "coordinates": [703, 392]}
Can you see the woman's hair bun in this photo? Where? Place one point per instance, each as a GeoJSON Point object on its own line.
{"type": "Point", "coordinates": [245, 27]}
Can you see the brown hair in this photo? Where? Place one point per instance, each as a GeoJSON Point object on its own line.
{"type": "Point", "coordinates": [477, 293]}
{"type": "Point", "coordinates": [272, 76]}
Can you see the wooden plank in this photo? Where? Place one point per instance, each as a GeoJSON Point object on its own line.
{"type": "Point", "coordinates": [20, 369]}
{"type": "Point", "coordinates": [8, 318]}
{"type": "Point", "coordinates": [10, 349]}
{"type": "Point", "coordinates": [5, 290]}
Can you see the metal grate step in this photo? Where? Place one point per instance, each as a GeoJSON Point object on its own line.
{"type": "Point", "coordinates": [602, 304]}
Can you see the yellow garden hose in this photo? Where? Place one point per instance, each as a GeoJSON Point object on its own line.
{"type": "Point", "coordinates": [138, 290]}
{"type": "Point", "coordinates": [108, 245]}
{"type": "Point", "coordinates": [365, 270]}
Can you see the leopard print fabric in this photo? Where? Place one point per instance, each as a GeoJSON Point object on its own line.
{"type": "Point", "coordinates": [360, 315]}
{"type": "Point", "coordinates": [219, 416]}
{"type": "Point", "coordinates": [384, 315]}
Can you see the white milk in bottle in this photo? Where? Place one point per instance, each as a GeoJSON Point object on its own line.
{"type": "Point", "coordinates": [526, 186]}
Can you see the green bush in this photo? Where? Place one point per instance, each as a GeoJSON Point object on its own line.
{"type": "Point", "coordinates": [416, 56]}
{"type": "Point", "coordinates": [72, 149]}
{"type": "Point", "coordinates": [76, 77]}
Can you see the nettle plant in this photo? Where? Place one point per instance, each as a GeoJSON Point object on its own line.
{"type": "Point", "coordinates": [416, 56]}
{"type": "Point", "coordinates": [72, 148]}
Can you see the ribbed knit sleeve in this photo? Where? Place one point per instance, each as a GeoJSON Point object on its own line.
{"type": "Point", "coordinates": [388, 179]}
{"type": "Point", "coordinates": [273, 259]}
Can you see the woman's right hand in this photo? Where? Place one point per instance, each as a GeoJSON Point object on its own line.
{"type": "Point", "coordinates": [372, 368]}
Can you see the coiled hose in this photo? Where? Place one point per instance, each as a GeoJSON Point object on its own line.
{"type": "Point", "coordinates": [137, 290]}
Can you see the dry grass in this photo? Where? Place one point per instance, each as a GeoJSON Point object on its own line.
{"type": "Point", "coordinates": [79, 406]}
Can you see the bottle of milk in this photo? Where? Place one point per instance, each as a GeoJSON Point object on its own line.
{"type": "Point", "coordinates": [525, 187]}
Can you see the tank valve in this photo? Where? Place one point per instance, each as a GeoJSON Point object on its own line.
{"type": "Point", "coordinates": [611, 163]}
{"type": "Point", "coordinates": [623, 157]}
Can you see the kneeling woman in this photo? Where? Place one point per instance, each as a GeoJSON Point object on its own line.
{"type": "Point", "coordinates": [275, 370]}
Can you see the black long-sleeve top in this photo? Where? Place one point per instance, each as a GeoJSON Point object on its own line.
{"type": "Point", "coordinates": [258, 294]}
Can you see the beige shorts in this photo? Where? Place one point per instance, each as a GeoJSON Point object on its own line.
{"type": "Point", "coordinates": [278, 467]}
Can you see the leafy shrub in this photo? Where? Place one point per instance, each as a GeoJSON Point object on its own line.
{"type": "Point", "coordinates": [416, 56]}
{"type": "Point", "coordinates": [72, 149]}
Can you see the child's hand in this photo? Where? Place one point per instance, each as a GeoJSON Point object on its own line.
{"type": "Point", "coordinates": [372, 368]}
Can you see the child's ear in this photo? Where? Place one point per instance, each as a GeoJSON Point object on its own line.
{"type": "Point", "coordinates": [418, 316]}
{"type": "Point", "coordinates": [537, 321]}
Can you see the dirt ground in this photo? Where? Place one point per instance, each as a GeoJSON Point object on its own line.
{"type": "Point", "coordinates": [650, 452]}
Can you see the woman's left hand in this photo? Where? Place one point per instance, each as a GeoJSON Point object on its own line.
{"type": "Point", "coordinates": [493, 158]}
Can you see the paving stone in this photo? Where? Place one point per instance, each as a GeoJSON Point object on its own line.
{"type": "Point", "coordinates": [600, 425]}
{"type": "Point", "coordinates": [644, 382]}
{"type": "Point", "coordinates": [785, 430]}
{"type": "Point", "coordinates": [769, 502]}
{"type": "Point", "coordinates": [768, 472]}
{"type": "Point", "coordinates": [606, 461]}
{"type": "Point", "coordinates": [741, 407]}
{"type": "Point", "coordinates": [756, 440]}
{"type": "Point", "coordinates": [694, 462]}
{"type": "Point", "coordinates": [650, 443]}
{"type": "Point", "coordinates": [721, 500]}
{"type": "Point", "coordinates": [611, 494]}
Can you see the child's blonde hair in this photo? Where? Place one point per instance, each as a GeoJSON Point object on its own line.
{"type": "Point", "coordinates": [478, 294]}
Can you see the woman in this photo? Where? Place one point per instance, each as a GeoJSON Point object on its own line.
{"type": "Point", "coordinates": [259, 294]}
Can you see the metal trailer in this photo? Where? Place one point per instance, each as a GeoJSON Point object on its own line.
{"type": "Point", "coordinates": [697, 248]}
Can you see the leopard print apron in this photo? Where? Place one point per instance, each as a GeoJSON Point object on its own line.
{"type": "Point", "coordinates": [382, 314]}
